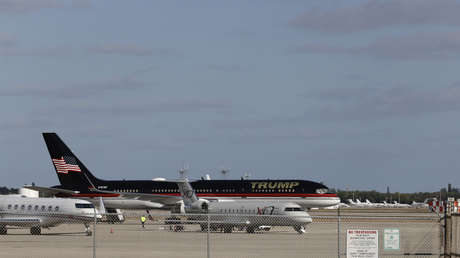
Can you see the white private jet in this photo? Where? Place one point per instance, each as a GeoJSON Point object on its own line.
{"type": "Point", "coordinates": [401, 205]}
{"type": "Point", "coordinates": [357, 204]}
{"type": "Point", "coordinates": [250, 214]}
{"type": "Point", "coordinates": [38, 213]}
{"type": "Point", "coordinates": [417, 205]}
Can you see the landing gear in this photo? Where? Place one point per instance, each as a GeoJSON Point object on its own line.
{"type": "Point", "coordinates": [300, 229]}
{"type": "Point", "coordinates": [3, 230]}
{"type": "Point", "coordinates": [250, 229]}
{"type": "Point", "coordinates": [88, 230]}
{"type": "Point", "coordinates": [228, 229]}
{"type": "Point", "coordinates": [35, 231]}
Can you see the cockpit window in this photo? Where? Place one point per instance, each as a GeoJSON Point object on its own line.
{"type": "Point", "coordinates": [322, 191]}
{"type": "Point", "coordinates": [84, 205]}
{"type": "Point", "coordinates": [293, 209]}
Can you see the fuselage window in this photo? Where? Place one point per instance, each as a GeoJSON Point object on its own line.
{"type": "Point", "coordinates": [36, 208]}
{"type": "Point", "coordinates": [84, 205]}
{"type": "Point", "coordinates": [56, 208]}
{"type": "Point", "coordinates": [29, 207]}
{"type": "Point", "coordinates": [50, 208]}
{"type": "Point", "coordinates": [9, 206]}
{"type": "Point", "coordinates": [23, 207]}
{"type": "Point", "coordinates": [43, 208]}
{"type": "Point", "coordinates": [15, 206]}
{"type": "Point", "coordinates": [293, 209]}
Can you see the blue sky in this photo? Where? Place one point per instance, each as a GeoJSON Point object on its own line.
{"type": "Point", "coordinates": [356, 94]}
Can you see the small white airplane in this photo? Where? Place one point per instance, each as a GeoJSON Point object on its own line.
{"type": "Point", "coordinates": [401, 205]}
{"type": "Point", "coordinates": [388, 205]}
{"type": "Point", "coordinates": [417, 205]}
{"type": "Point", "coordinates": [376, 204]}
{"type": "Point", "coordinates": [357, 204]}
{"type": "Point", "coordinates": [247, 214]}
{"type": "Point", "coordinates": [38, 213]}
{"type": "Point", "coordinates": [340, 205]}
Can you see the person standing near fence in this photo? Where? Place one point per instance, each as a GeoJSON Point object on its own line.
{"type": "Point", "coordinates": [143, 219]}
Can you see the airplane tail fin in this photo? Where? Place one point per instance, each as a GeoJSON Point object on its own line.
{"type": "Point", "coordinates": [187, 192]}
{"type": "Point", "coordinates": [71, 172]}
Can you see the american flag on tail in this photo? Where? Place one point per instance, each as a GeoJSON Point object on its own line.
{"type": "Point", "coordinates": [66, 164]}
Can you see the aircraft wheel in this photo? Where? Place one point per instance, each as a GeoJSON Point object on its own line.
{"type": "Point", "coordinates": [250, 229]}
{"type": "Point", "coordinates": [35, 231]}
{"type": "Point", "coordinates": [228, 229]}
{"type": "Point", "coordinates": [300, 229]}
{"type": "Point", "coordinates": [204, 227]}
{"type": "Point", "coordinates": [3, 230]}
{"type": "Point", "coordinates": [89, 233]}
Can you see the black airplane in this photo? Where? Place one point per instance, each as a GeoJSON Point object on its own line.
{"type": "Point", "coordinates": [77, 181]}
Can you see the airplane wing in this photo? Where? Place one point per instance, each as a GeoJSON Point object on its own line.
{"type": "Point", "coordinates": [50, 190]}
{"type": "Point", "coordinates": [163, 199]}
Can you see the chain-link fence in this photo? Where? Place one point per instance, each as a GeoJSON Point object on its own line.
{"type": "Point", "coordinates": [330, 234]}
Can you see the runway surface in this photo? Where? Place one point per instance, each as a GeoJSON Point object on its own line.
{"type": "Point", "coordinates": [157, 240]}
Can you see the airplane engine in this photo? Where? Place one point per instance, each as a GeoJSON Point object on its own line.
{"type": "Point", "coordinates": [200, 206]}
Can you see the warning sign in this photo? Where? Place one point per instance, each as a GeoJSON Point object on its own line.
{"type": "Point", "coordinates": [362, 243]}
{"type": "Point", "coordinates": [391, 239]}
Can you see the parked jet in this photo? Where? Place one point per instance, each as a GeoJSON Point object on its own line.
{"type": "Point", "coordinates": [77, 181]}
{"type": "Point", "coordinates": [38, 213]}
{"type": "Point", "coordinates": [375, 204]}
{"type": "Point", "coordinates": [242, 213]}
{"type": "Point", "coordinates": [401, 205]}
{"type": "Point", "coordinates": [357, 204]}
{"type": "Point", "coordinates": [340, 205]}
{"type": "Point", "coordinates": [388, 205]}
{"type": "Point", "coordinates": [417, 205]}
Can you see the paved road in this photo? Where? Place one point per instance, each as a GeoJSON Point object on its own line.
{"type": "Point", "coordinates": [130, 240]}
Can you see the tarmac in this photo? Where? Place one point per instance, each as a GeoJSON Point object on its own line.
{"type": "Point", "coordinates": [420, 233]}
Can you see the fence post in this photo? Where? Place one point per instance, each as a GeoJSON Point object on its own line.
{"type": "Point", "coordinates": [338, 232]}
{"type": "Point", "coordinates": [94, 233]}
{"type": "Point", "coordinates": [207, 237]}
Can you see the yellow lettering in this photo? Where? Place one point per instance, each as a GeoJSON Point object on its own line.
{"type": "Point", "coordinates": [272, 185]}
{"type": "Point", "coordinates": [263, 185]}
{"type": "Point", "coordinates": [283, 184]}
{"type": "Point", "coordinates": [293, 184]}
{"type": "Point", "coordinates": [253, 184]}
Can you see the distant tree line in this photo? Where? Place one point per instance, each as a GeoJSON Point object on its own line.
{"type": "Point", "coordinates": [6, 190]}
{"type": "Point", "coordinates": [375, 196]}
